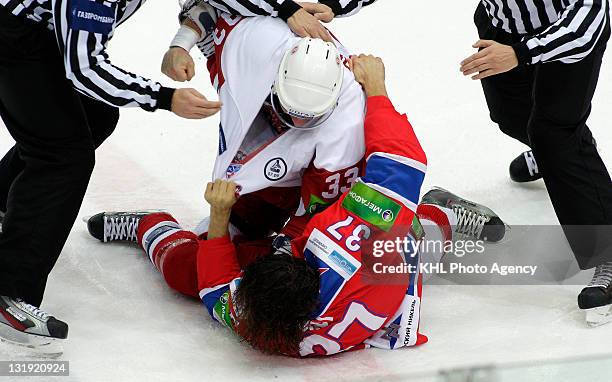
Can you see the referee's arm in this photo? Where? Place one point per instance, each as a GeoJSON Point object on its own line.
{"type": "Point", "coordinates": [284, 8]}
{"type": "Point", "coordinates": [571, 38]}
{"type": "Point", "coordinates": [349, 8]}
{"type": "Point", "coordinates": [83, 34]}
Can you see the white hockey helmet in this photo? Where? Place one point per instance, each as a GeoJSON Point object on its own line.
{"type": "Point", "coordinates": [308, 83]}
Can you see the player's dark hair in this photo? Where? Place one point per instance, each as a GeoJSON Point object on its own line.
{"type": "Point", "coordinates": [274, 301]}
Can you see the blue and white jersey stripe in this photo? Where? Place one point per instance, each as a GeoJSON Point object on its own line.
{"type": "Point", "coordinates": [210, 296]}
{"type": "Point", "coordinates": [395, 176]}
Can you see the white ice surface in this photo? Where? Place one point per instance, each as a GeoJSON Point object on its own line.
{"type": "Point", "coordinates": [126, 325]}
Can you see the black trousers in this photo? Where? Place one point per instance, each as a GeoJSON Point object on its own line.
{"type": "Point", "coordinates": [43, 178]}
{"type": "Point", "coordinates": [546, 106]}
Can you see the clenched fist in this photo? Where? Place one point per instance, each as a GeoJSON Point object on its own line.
{"type": "Point", "coordinates": [369, 71]}
{"type": "Point", "coordinates": [178, 65]}
{"type": "Point", "coordinates": [191, 104]}
{"type": "Point", "coordinates": [221, 195]}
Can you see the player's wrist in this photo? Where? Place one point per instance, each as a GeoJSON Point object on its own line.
{"type": "Point", "coordinates": [219, 222]}
{"type": "Point", "coordinates": [220, 212]}
{"type": "Point", "coordinates": [375, 89]}
{"type": "Point", "coordinates": [186, 38]}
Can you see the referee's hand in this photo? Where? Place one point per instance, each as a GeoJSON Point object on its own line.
{"type": "Point", "coordinates": [191, 104]}
{"type": "Point", "coordinates": [304, 24]}
{"type": "Point", "coordinates": [321, 12]}
{"type": "Point", "coordinates": [492, 58]}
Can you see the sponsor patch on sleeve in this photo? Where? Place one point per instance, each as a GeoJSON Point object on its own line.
{"type": "Point", "coordinates": [332, 255]}
{"type": "Point", "coordinates": [222, 311]}
{"type": "Point", "coordinates": [92, 16]}
{"type": "Point", "coordinates": [372, 206]}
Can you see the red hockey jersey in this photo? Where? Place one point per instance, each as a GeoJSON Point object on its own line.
{"type": "Point", "coordinates": [359, 306]}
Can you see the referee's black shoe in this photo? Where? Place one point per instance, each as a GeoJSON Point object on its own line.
{"type": "Point", "coordinates": [524, 168]}
{"type": "Point", "coordinates": [596, 298]}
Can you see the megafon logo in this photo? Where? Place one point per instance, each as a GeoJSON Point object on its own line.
{"type": "Point", "coordinates": [388, 216]}
{"type": "Point", "coordinates": [367, 203]}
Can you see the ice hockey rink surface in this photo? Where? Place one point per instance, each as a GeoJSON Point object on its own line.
{"type": "Point", "coordinates": [126, 325]}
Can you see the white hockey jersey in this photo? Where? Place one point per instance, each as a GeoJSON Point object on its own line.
{"type": "Point", "coordinates": [248, 52]}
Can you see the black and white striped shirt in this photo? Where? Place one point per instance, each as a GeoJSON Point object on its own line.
{"type": "Point", "coordinates": [275, 8]}
{"type": "Point", "coordinates": [83, 29]}
{"type": "Point", "coordinates": [285, 8]}
{"type": "Point", "coordinates": [553, 30]}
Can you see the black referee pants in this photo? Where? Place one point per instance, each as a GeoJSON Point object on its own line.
{"type": "Point", "coordinates": [43, 178]}
{"type": "Point", "coordinates": [546, 107]}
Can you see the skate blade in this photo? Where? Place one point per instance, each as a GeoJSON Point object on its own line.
{"type": "Point", "coordinates": [29, 345]}
{"type": "Point", "coordinates": [599, 316]}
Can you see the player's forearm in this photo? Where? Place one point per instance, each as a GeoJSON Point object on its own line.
{"type": "Point", "coordinates": [217, 268]}
{"type": "Point", "coordinates": [198, 21]}
{"type": "Point", "coordinates": [389, 132]}
{"type": "Point", "coordinates": [186, 37]}
{"type": "Point", "coordinates": [396, 163]}
{"type": "Point", "coordinates": [219, 223]}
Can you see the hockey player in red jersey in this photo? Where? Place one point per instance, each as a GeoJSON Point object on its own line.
{"type": "Point", "coordinates": [320, 293]}
{"type": "Point", "coordinates": [314, 295]}
{"type": "Point", "coordinates": [319, 296]}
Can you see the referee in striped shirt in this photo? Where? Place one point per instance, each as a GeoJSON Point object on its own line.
{"type": "Point", "coordinates": [59, 99]}
{"type": "Point", "coordinates": [539, 63]}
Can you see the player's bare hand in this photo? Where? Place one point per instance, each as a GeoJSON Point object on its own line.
{"type": "Point", "coordinates": [304, 24]}
{"type": "Point", "coordinates": [321, 12]}
{"type": "Point", "coordinates": [178, 65]}
{"type": "Point", "coordinates": [221, 195]}
{"type": "Point", "coordinates": [369, 71]}
{"type": "Point", "coordinates": [493, 58]}
{"type": "Point", "coordinates": [191, 104]}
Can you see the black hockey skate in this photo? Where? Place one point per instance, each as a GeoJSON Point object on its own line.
{"type": "Point", "coordinates": [596, 298]}
{"type": "Point", "coordinates": [28, 328]}
{"type": "Point", "coordinates": [473, 220]}
{"type": "Point", "coordinates": [524, 168]}
{"type": "Point", "coordinates": [116, 226]}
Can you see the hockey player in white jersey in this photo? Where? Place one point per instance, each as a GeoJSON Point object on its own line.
{"type": "Point", "coordinates": [291, 132]}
